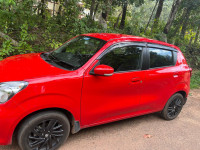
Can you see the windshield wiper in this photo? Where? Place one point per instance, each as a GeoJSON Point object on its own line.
{"type": "Point", "coordinates": [51, 57]}
{"type": "Point", "coordinates": [45, 56]}
{"type": "Point", "coordinates": [59, 61]}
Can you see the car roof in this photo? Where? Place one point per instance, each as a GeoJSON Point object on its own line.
{"type": "Point", "coordinates": [123, 37]}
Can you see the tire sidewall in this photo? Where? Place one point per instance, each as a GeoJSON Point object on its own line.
{"type": "Point", "coordinates": [165, 110]}
{"type": "Point", "coordinates": [33, 121]}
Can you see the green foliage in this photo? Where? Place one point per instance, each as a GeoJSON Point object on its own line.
{"type": "Point", "coordinates": [195, 80]}
{"type": "Point", "coordinates": [8, 2]}
{"type": "Point", "coordinates": [25, 37]}
{"type": "Point", "coordinates": [193, 56]}
{"type": "Point", "coordinates": [35, 29]}
{"type": "Point", "coordinates": [6, 49]}
{"type": "Point", "coordinates": [85, 25]}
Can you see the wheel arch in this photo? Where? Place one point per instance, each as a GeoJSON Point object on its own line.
{"type": "Point", "coordinates": [184, 94]}
{"type": "Point", "coordinates": [182, 88]}
{"type": "Point", "coordinates": [75, 125]}
{"type": "Point", "coordinates": [180, 91]}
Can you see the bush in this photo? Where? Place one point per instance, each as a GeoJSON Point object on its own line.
{"type": "Point", "coordinates": [195, 80]}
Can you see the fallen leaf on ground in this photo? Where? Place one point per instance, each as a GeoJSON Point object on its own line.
{"type": "Point", "coordinates": [147, 136]}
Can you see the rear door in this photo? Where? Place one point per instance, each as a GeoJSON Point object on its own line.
{"type": "Point", "coordinates": [161, 77]}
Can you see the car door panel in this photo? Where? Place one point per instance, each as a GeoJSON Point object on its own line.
{"type": "Point", "coordinates": [160, 82]}
{"type": "Point", "coordinates": [107, 98]}
{"type": "Point", "coordinates": [158, 85]}
{"type": "Point", "coordinates": [110, 97]}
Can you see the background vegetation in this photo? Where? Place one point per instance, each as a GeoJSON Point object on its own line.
{"type": "Point", "coordinates": [195, 80]}
{"type": "Point", "coordinates": [28, 25]}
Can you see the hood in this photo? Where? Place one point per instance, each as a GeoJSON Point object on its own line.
{"type": "Point", "coordinates": [26, 66]}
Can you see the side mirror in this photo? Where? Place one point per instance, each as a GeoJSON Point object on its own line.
{"type": "Point", "coordinates": [103, 70]}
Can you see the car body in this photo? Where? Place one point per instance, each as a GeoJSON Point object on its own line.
{"type": "Point", "coordinates": [86, 96]}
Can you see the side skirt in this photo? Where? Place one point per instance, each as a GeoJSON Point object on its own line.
{"type": "Point", "coordinates": [76, 127]}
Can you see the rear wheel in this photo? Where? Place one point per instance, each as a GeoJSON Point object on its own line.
{"type": "Point", "coordinates": [173, 107]}
{"type": "Point", "coordinates": [44, 131]}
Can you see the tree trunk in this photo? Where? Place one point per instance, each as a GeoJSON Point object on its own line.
{"type": "Point", "coordinates": [104, 15]}
{"type": "Point", "coordinates": [122, 24]}
{"type": "Point", "coordinates": [172, 15]}
{"type": "Point", "coordinates": [43, 9]}
{"type": "Point", "coordinates": [151, 17]}
{"type": "Point", "coordinates": [106, 9]}
{"type": "Point", "coordinates": [197, 35]}
{"type": "Point", "coordinates": [92, 9]}
{"type": "Point", "coordinates": [158, 13]}
{"type": "Point", "coordinates": [185, 24]}
{"type": "Point", "coordinates": [6, 37]}
{"type": "Point", "coordinates": [95, 10]}
{"type": "Point", "coordinates": [59, 13]}
{"type": "Point", "coordinates": [180, 22]}
{"type": "Point", "coordinates": [190, 43]}
{"type": "Point", "coordinates": [117, 22]}
{"type": "Point", "coordinates": [54, 4]}
{"type": "Point", "coordinates": [9, 8]}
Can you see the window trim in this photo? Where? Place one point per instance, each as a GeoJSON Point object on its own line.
{"type": "Point", "coordinates": [118, 45]}
{"type": "Point", "coordinates": [124, 44]}
{"type": "Point", "coordinates": [175, 58]}
{"type": "Point", "coordinates": [145, 58]}
{"type": "Point", "coordinates": [153, 45]}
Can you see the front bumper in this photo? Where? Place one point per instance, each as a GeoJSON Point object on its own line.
{"type": "Point", "coordinates": [8, 122]}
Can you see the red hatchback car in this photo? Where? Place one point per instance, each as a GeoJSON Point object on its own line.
{"type": "Point", "coordinates": [91, 80]}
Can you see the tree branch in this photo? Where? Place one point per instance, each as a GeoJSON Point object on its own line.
{"type": "Point", "coordinates": [6, 37]}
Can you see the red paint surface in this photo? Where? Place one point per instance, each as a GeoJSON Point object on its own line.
{"type": "Point", "coordinates": [103, 69]}
{"type": "Point", "coordinates": [92, 100]}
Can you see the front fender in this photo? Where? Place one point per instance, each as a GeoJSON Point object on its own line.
{"type": "Point", "coordinates": [50, 101]}
{"type": "Point", "coordinates": [11, 115]}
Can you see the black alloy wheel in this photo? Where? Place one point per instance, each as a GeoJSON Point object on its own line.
{"type": "Point", "coordinates": [44, 131]}
{"type": "Point", "coordinates": [46, 135]}
{"type": "Point", "coordinates": [173, 107]}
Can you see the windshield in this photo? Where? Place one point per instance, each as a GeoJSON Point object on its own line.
{"type": "Point", "coordinates": [75, 53]}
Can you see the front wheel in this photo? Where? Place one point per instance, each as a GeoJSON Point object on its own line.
{"type": "Point", "coordinates": [173, 107]}
{"type": "Point", "coordinates": [44, 131]}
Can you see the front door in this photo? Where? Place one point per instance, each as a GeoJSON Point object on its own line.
{"type": "Point", "coordinates": [108, 98]}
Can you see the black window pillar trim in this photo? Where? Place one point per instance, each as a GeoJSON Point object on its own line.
{"type": "Point", "coordinates": [92, 70]}
{"type": "Point", "coordinates": [175, 57]}
{"type": "Point", "coordinates": [145, 58]}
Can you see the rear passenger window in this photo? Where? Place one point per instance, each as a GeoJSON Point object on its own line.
{"type": "Point", "coordinates": [160, 58]}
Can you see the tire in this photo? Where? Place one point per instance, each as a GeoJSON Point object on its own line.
{"type": "Point", "coordinates": [44, 131]}
{"type": "Point", "coordinates": [173, 107]}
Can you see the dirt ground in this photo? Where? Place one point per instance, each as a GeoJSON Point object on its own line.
{"type": "Point", "coordinates": [147, 132]}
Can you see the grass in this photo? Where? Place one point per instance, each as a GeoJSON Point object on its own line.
{"type": "Point", "coordinates": [195, 80]}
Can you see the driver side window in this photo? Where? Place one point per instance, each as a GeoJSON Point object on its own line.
{"type": "Point", "coordinates": [123, 58]}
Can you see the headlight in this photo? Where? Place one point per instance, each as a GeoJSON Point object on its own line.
{"type": "Point", "coordinates": [9, 89]}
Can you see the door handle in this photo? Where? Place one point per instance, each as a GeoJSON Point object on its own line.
{"type": "Point", "coordinates": [175, 75]}
{"type": "Point", "coordinates": [136, 79]}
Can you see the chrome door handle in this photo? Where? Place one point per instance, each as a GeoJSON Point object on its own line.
{"type": "Point", "coordinates": [175, 76]}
